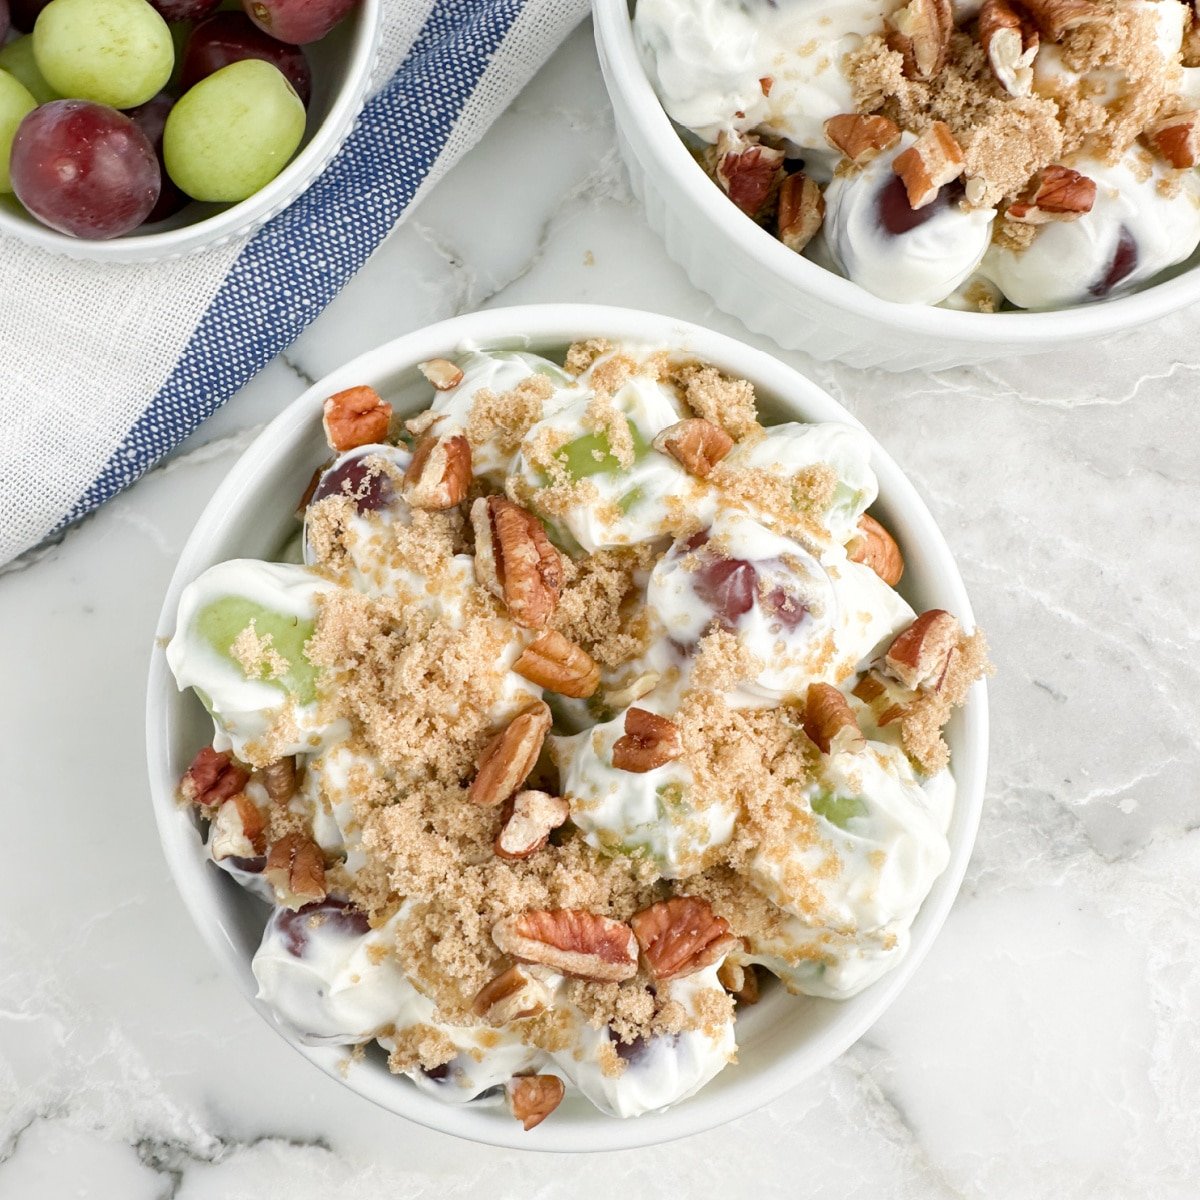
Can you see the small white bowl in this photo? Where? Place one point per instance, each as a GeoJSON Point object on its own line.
{"type": "Point", "coordinates": [783, 1039]}
{"type": "Point", "coordinates": [801, 305]}
{"type": "Point", "coordinates": [342, 64]}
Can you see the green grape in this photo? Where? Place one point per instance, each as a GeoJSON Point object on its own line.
{"type": "Point", "coordinates": [592, 455]}
{"type": "Point", "coordinates": [15, 104]}
{"type": "Point", "coordinates": [220, 623]}
{"type": "Point", "coordinates": [838, 810]}
{"type": "Point", "coordinates": [17, 59]}
{"type": "Point", "coordinates": [116, 52]}
{"type": "Point", "coordinates": [233, 132]}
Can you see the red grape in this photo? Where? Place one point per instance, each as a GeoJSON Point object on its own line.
{"type": "Point", "coordinates": [229, 37]}
{"type": "Point", "coordinates": [84, 169]}
{"type": "Point", "coordinates": [151, 119]}
{"type": "Point", "coordinates": [297, 21]}
{"type": "Point", "coordinates": [184, 10]}
{"type": "Point", "coordinates": [25, 13]}
{"type": "Point", "coordinates": [4, 21]}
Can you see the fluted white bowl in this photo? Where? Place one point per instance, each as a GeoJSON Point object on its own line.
{"type": "Point", "coordinates": [802, 306]}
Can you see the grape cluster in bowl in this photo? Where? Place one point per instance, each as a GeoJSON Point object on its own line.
{"type": "Point", "coordinates": [116, 114]}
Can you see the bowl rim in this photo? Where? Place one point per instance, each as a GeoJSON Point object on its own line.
{"type": "Point", "coordinates": [634, 98]}
{"type": "Point", "coordinates": [240, 218]}
{"type": "Point", "coordinates": [555, 325]}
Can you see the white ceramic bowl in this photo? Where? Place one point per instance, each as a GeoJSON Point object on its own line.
{"type": "Point", "coordinates": [783, 1039]}
{"type": "Point", "coordinates": [341, 64]}
{"type": "Point", "coordinates": [801, 305]}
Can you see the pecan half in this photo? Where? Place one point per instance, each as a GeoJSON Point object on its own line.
{"type": "Point", "coordinates": [681, 936]}
{"type": "Point", "coordinates": [515, 561]}
{"type": "Point", "coordinates": [740, 980]}
{"type": "Point", "coordinates": [571, 941]}
{"type": "Point", "coordinates": [555, 663]}
{"type": "Point", "coordinates": [440, 472]}
{"type": "Point", "coordinates": [356, 417]}
{"type": "Point", "coordinates": [934, 159]}
{"type": "Point", "coordinates": [296, 870]}
{"type": "Point", "coordinates": [649, 741]}
{"type": "Point", "coordinates": [529, 819]}
{"type": "Point", "coordinates": [1057, 17]}
{"type": "Point", "coordinates": [919, 656]}
{"type": "Point", "coordinates": [861, 138]}
{"type": "Point", "coordinates": [442, 373]}
{"type": "Point", "coordinates": [828, 718]}
{"type": "Point", "coordinates": [695, 444]}
{"type": "Point", "coordinates": [238, 829]}
{"type": "Point", "coordinates": [877, 549]}
{"type": "Point", "coordinates": [801, 211]}
{"type": "Point", "coordinates": [921, 33]}
{"type": "Point", "coordinates": [510, 996]}
{"type": "Point", "coordinates": [1177, 139]}
{"type": "Point", "coordinates": [1010, 41]}
{"type": "Point", "coordinates": [212, 778]}
{"type": "Point", "coordinates": [1054, 194]}
{"type": "Point", "coordinates": [509, 757]}
{"type": "Point", "coordinates": [747, 172]}
{"type": "Point", "coordinates": [532, 1098]}
{"type": "Point", "coordinates": [280, 779]}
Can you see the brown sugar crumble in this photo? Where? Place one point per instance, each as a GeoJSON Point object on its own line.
{"type": "Point", "coordinates": [1007, 139]}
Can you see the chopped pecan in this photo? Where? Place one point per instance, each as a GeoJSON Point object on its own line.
{"type": "Point", "coordinates": [532, 1098]}
{"type": "Point", "coordinates": [632, 691]}
{"type": "Point", "coordinates": [696, 444]}
{"type": "Point", "coordinates": [1010, 41]}
{"type": "Point", "coordinates": [515, 561]}
{"type": "Point", "coordinates": [509, 757]}
{"type": "Point", "coordinates": [829, 720]}
{"type": "Point", "coordinates": [681, 936]}
{"type": "Point", "coordinates": [1190, 49]}
{"type": "Point", "coordinates": [1057, 17]}
{"type": "Point", "coordinates": [934, 159]}
{"type": "Point", "coordinates": [888, 700]}
{"type": "Point", "coordinates": [356, 417]}
{"type": "Point", "coordinates": [528, 821]}
{"type": "Point", "coordinates": [921, 33]}
{"type": "Point", "coordinates": [555, 663]}
{"type": "Point", "coordinates": [1054, 194]}
{"type": "Point", "coordinates": [571, 941]}
{"type": "Point", "coordinates": [1177, 139]}
{"type": "Point", "coordinates": [280, 779]}
{"type": "Point", "coordinates": [875, 547]}
{"type": "Point", "coordinates": [440, 472]}
{"type": "Point", "coordinates": [442, 373]}
{"type": "Point", "coordinates": [649, 741]}
{"type": "Point", "coordinates": [801, 211]}
{"type": "Point", "coordinates": [919, 656]}
{"type": "Point", "coordinates": [510, 996]}
{"type": "Point", "coordinates": [748, 173]}
{"type": "Point", "coordinates": [861, 138]}
{"type": "Point", "coordinates": [740, 980]}
{"type": "Point", "coordinates": [238, 829]}
{"type": "Point", "coordinates": [296, 870]}
{"type": "Point", "coordinates": [212, 778]}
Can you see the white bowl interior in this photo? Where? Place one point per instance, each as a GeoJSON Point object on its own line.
{"type": "Point", "coordinates": [341, 68]}
{"type": "Point", "coordinates": [781, 1040]}
{"type": "Point", "coordinates": [647, 133]}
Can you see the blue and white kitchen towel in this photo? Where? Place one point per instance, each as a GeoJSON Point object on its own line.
{"type": "Point", "coordinates": [104, 367]}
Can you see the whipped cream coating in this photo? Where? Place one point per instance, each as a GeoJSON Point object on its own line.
{"type": "Point", "coordinates": [1134, 232]}
{"type": "Point", "coordinates": [789, 594]}
{"type": "Point", "coordinates": [707, 59]}
{"type": "Point", "coordinates": [651, 812]}
{"type": "Point", "coordinates": [244, 705]}
{"type": "Point", "coordinates": [921, 265]}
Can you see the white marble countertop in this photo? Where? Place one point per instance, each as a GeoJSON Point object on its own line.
{"type": "Point", "coordinates": [1049, 1046]}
